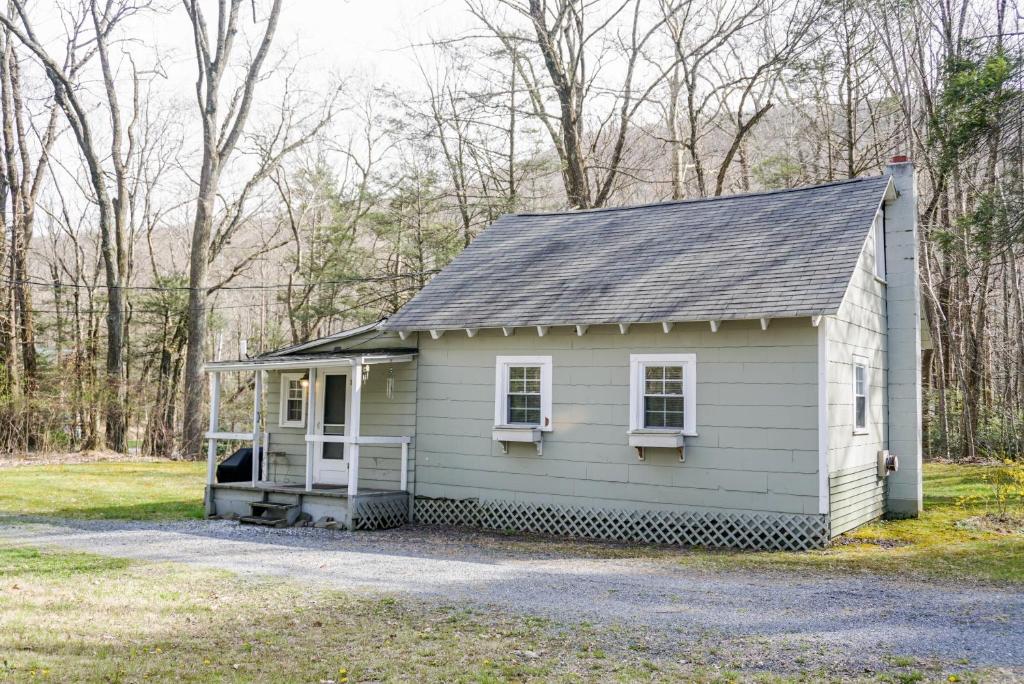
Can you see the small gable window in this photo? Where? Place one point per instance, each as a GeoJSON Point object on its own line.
{"type": "Point", "coordinates": [293, 400]}
{"type": "Point", "coordinates": [663, 392]}
{"type": "Point", "coordinates": [878, 235]}
{"type": "Point", "coordinates": [523, 391]}
{"type": "Point", "coordinates": [860, 395]}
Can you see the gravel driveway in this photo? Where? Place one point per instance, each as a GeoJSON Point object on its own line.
{"type": "Point", "coordinates": [781, 621]}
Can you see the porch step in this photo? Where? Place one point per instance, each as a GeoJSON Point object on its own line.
{"type": "Point", "coordinates": [272, 514]}
{"type": "Point", "coordinates": [279, 509]}
{"type": "Point", "coordinates": [260, 520]}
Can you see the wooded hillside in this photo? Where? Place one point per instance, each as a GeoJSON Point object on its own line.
{"type": "Point", "coordinates": [145, 232]}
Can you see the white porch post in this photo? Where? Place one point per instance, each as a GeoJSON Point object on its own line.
{"type": "Point", "coordinates": [257, 402]}
{"type": "Point", "coordinates": [404, 479]}
{"type": "Point", "coordinates": [211, 443]}
{"type": "Point", "coordinates": [310, 425]}
{"type": "Point", "coordinates": [354, 418]}
{"type": "Point", "coordinates": [265, 443]}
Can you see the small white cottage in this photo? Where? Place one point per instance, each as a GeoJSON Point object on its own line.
{"type": "Point", "coordinates": [733, 371]}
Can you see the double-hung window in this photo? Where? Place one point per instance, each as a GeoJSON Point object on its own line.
{"type": "Point", "coordinates": [663, 392]}
{"type": "Point", "coordinates": [860, 395]}
{"type": "Point", "coordinates": [293, 400]}
{"type": "Point", "coordinates": [523, 391]}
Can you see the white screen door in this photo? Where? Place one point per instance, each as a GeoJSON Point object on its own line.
{"type": "Point", "coordinates": [330, 464]}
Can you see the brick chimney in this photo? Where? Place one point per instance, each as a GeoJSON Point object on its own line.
{"type": "Point", "coordinates": [903, 313]}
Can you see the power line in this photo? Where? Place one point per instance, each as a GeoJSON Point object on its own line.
{"type": "Point", "coordinates": [185, 288]}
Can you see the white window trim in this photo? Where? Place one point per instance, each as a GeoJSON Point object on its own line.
{"type": "Point", "coordinates": [502, 364]}
{"type": "Point", "coordinates": [878, 238]}
{"type": "Point", "coordinates": [282, 409]}
{"type": "Point", "coordinates": [861, 361]}
{"type": "Point", "coordinates": [637, 363]}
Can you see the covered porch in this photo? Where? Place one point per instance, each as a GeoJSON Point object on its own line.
{"type": "Point", "coordinates": [331, 437]}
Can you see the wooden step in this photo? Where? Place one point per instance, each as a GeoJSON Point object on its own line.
{"type": "Point", "coordinates": [281, 509]}
{"type": "Point", "coordinates": [265, 522]}
{"type": "Point", "coordinates": [274, 513]}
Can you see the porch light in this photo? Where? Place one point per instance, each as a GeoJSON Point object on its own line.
{"type": "Point", "coordinates": [304, 380]}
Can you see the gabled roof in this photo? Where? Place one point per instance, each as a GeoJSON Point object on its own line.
{"type": "Point", "coordinates": [772, 254]}
{"type": "Point", "coordinates": [343, 335]}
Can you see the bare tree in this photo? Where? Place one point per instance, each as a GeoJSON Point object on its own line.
{"type": "Point", "coordinates": [90, 35]}
{"type": "Point", "coordinates": [222, 130]}
{"type": "Point", "coordinates": [572, 41]}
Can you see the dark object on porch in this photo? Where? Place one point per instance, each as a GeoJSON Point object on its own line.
{"type": "Point", "coordinates": [238, 466]}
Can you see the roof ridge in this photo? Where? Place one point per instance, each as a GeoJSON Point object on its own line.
{"type": "Point", "coordinates": [697, 200]}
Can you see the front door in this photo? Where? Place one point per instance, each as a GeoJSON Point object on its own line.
{"type": "Point", "coordinates": [330, 462]}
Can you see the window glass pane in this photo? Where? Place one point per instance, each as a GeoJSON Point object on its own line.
{"type": "Point", "coordinates": [862, 405]}
{"type": "Point", "coordinates": [665, 380]}
{"type": "Point", "coordinates": [663, 412]}
{"type": "Point", "coordinates": [294, 410]}
{"type": "Point", "coordinates": [663, 396]}
{"type": "Point", "coordinates": [523, 396]}
{"type": "Point", "coordinates": [861, 379]}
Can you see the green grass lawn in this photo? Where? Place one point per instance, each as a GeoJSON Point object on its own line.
{"type": "Point", "coordinates": [151, 490]}
{"type": "Point", "coordinates": [933, 545]}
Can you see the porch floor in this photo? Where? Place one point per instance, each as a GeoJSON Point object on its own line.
{"type": "Point", "coordinates": [319, 489]}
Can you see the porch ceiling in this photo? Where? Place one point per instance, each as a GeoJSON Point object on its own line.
{"type": "Point", "coordinates": [317, 360]}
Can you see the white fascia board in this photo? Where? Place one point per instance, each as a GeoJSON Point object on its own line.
{"type": "Point", "coordinates": [285, 363]}
{"type": "Point", "coordinates": [823, 419]}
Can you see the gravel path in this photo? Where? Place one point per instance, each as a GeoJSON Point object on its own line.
{"type": "Point", "coordinates": [848, 624]}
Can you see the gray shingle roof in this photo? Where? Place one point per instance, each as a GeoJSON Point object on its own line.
{"type": "Point", "coordinates": [776, 254]}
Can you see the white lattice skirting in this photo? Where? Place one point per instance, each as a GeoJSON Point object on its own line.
{"type": "Point", "coordinates": [761, 531]}
{"type": "Point", "coordinates": [381, 513]}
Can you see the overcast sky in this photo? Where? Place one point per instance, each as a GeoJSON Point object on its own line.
{"type": "Point", "coordinates": [366, 38]}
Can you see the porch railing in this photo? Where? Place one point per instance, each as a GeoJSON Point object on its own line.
{"type": "Point", "coordinates": [353, 462]}
{"type": "Point", "coordinates": [353, 466]}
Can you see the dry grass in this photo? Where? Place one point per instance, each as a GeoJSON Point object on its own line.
{"type": "Point", "coordinates": [80, 617]}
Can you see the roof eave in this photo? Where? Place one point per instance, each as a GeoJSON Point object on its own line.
{"type": "Point", "coordinates": [285, 363]}
{"type": "Point", "coordinates": [408, 329]}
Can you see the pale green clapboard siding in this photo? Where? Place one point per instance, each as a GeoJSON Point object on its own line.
{"type": "Point", "coordinates": [379, 467]}
{"type": "Point", "coordinates": [858, 329]}
{"type": "Point", "coordinates": [756, 419]}
{"type": "Point", "coordinates": [856, 496]}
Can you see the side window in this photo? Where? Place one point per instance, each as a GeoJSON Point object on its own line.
{"type": "Point", "coordinates": [860, 395]}
{"type": "Point", "coordinates": [293, 400]}
{"type": "Point", "coordinates": [663, 392]}
{"type": "Point", "coordinates": [523, 391]}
